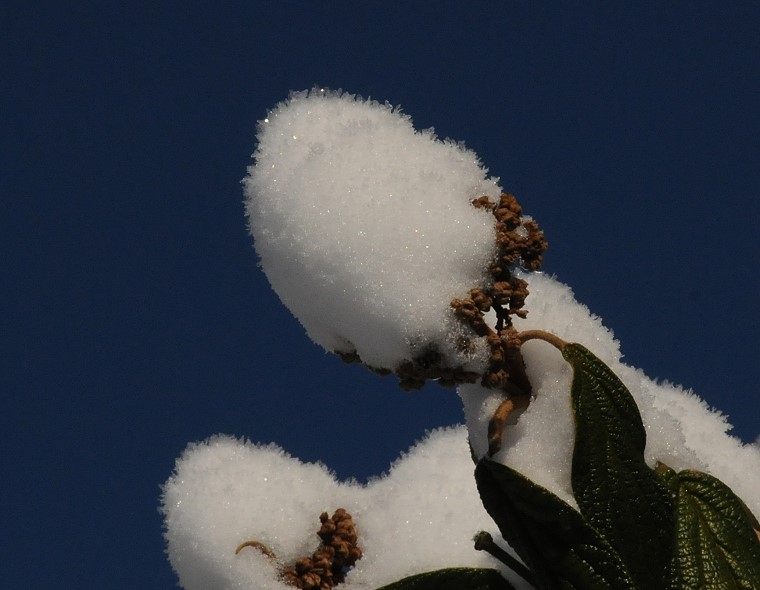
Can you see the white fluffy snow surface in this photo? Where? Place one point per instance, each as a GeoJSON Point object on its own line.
{"type": "Point", "coordinates": [419, 517]}
{"type": "Point", "coordinates": [365, 228]}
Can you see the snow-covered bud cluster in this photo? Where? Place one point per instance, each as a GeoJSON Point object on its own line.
{"type": "Point", "coordinates": [328, 565]}
{"type": "Point", "coordinates": [368, 230]}
{"type": "Point", "coordinates": [520, 241]}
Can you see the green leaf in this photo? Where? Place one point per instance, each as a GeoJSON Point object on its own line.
{"type": "Point", "coordinates": [562, 549]}
{"type": "Point", "coordinates": [455, 578]}
{"type": "Point", "coordinates": [717, 547]}
{"type": "Point", "coordinates": [615, 489]}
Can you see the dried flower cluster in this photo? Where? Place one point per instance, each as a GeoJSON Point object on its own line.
{"type": "Point", "coordinates": [338, 552]}
{"type": "Point", "coordinates": [520, 242]}
{"type": "Point", "coordinates": [429, 365]}
{"type": "Point", "coordinates": [413, 374]}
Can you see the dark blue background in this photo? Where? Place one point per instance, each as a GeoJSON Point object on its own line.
{"type": "Point", "coordinates": [134, 318]}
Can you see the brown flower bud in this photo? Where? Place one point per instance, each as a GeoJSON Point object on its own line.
{"type": "Point", "coordinates": [326, 567]}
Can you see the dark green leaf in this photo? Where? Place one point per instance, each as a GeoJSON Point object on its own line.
{"type": "Point", "coordinates": [455, 578]}
{"type": "Point", "coordinates": [615, 489]}
{"type": "Point", "coordinates": [562, 549]}
{"type": "Point", "coordinates": [716, 545]}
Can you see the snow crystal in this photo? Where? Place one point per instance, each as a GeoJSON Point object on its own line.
{"type": "Point", "coordinates": [365, 226]}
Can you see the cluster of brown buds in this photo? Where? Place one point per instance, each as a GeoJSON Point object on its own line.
{"type": "Point", "coordinates": [519, 242]}
{"type": "Point", "coordinates": [413, 374]}
{"type": "Point", "coordinates": [338, 552]}
{"type": "Point", "coordinates": [328, 565]}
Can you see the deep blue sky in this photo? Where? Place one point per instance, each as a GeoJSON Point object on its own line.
{"type": "Point", "coordinates": [134, 318]}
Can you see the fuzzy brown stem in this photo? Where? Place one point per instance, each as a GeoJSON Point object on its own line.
{"type": "Point", "coordinates": [257, 545]}
{"type": "Point", "coordinates": [496, 425]}
{"type": "Point", "coordinates": [555, 341]}
{"type": "Point", "coordinates": [499, 420]}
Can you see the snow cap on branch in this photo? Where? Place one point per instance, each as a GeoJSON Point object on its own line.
{"type": "Point", "coordinates": [419, 517]}
{"type": "Point", "coordinates": [366, 230]}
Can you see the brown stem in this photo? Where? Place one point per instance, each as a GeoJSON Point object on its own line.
{"type": "Point", "coordinates": [496, 425]}
{"type": "Point", "coordinates": [257, 545]}
{"type": "Point", "coordinates": [499, 420]}
{"type": "Point", "coordinates": [520, 396]}
{"type": "Point", "coordinates": [555, 341]}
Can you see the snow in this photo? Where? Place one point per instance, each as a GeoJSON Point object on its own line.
{"type": "Point", "coordinates": [372, 219]}
{"type": "Point", "coordinates": [421, 516]}
{"type": "Point", "coordinates": [364, 228]}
